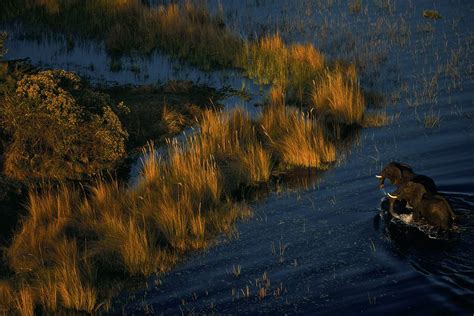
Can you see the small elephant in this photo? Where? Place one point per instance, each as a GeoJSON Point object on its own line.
{"type": "Point", "coordinates": [400, 173]}
{"type": "Point", "coordinates": [434, 208]}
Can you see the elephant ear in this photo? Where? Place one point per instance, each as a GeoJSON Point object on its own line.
{"type": "Point", "coordinates": [418, 192]}
{"type": "Point", "coordinates": [395, 174]}
{"type": "Point", "coordinates": [405, 166]}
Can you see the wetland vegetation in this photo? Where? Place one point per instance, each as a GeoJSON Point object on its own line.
{"type": "Point", "coordinates": [85, 231]}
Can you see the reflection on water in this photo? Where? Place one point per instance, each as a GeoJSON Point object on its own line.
{"type": "Point", "coordinates": [91, 61]}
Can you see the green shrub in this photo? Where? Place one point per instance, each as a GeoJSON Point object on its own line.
{"type": "Point", "coordinates": [59, 128]}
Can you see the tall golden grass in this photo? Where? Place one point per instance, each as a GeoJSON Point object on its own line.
{"type": "Point", "coordinates": [338, 95]}
{"type": "Point", "coordinates": [189, 32]}
{"type": "Point", "coordinates": [296, 138]}
{"type": "Point", "coordinates": [299, 73]}
{"type": "Point", "coordinates": [290, 68]}
{"type": "Point", "coordinates": [183, 199]}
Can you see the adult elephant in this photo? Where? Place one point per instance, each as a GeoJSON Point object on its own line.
{"type": "Point", "coordinates": [433, 208]}
{"type": "Point", "coordinates": [400, 173]}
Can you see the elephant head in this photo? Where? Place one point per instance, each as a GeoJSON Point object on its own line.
{"type": "Point", "coordinates": [395, 172]}
{"type": "Point", "coordinates": [433, 208]}
{"type": "Point", "coordinates": [411, 192]}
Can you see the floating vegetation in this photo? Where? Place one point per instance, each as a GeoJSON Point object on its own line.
{"type": "Point", "coordinates": [431, 14]}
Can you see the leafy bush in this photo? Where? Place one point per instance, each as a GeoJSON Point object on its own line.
{"type": "Point", "coordinates": [59, 128]}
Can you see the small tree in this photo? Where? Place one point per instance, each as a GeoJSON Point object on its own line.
{"type": "Point", "coordinates": [59, 128]}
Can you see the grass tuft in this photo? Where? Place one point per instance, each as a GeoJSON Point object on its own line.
{"type": "Point", "coordinates": [339, 95]}
{"type": "Point", "coordinates": [431, 14]}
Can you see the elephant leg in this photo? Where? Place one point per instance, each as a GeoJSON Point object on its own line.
{"type": "Point", "coordinates": [416, 214]}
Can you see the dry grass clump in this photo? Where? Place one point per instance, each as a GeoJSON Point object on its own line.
{"type": "Point", "coordinates": [69, 235]}
{"type": "Point", "coordinates": [339, 95]}
{"type": "Point", "coordinates": [289, 67]}
{"type": "Point", "coordinates": [298, 73]}
{"type": "Point", "coordinates": [54, 272]}
{"type": "Point", "coordinates": [24, 301]}
{"type": "Point", "coordinates": [296, 138]}
{"type": "Point", "coordinates": [7, 297]}
{"type": "Point", "coordinates": [431, 14]}
{"type": "Point", "coordinates": [187, 32]}
{"type": "Point", "coordinates": [183, 199]}
{"type": "Point", "coordinates": [257, 163]}
{"type": "Point", "coordinates": [376, 119]}
{"type": "Point", "coordinates": [231, 138]}
{"type": "Point", "coordinates": [306, 145]}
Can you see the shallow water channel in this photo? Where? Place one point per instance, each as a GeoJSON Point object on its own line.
{"type": "Point", "coordinates": [321, 247]}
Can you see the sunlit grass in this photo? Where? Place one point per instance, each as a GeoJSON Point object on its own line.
{"type": "Point", "coordinates": [296, 138]}
{"type": "Point", "coordinates": [185, 195]}
{"type": "Point", "coordinates": [376, 119]}
{"type": "Point", "coordinates": [431, 14]}
{"type": "Point", "coordinates": [339, 96]}
{"type": "Point", "coordinates": [291, 68]}
{"type": "Point", "coordinates": [183, 199]}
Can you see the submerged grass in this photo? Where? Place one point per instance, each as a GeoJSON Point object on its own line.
{"type": "Point", "coordinates": [127, 26]}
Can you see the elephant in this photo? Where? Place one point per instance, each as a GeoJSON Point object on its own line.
{"type": "Point", "coordinates": [400, 173]}
{"type": "Point", "coordinates": [433, 208]}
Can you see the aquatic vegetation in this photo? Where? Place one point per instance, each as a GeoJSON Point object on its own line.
{"type": "Point", "coordinates": [431, 14]}
{"type": "Point", "coordinates": [75, 242]}
{"type": "Point", "coordinates": [431, 119]}
{"type": "Point", "coordinates": [70, 235]}
{"type": "Point", "coordinates": [376, 119]}
{"type": "Point", "coordinates": [339, 95]}
{"type": "Point", "coordinates": [291, 68]}
{"type": "Point", "coordinates": [129, 26]}
{"type": "Point", "coordinates": [182, 200]}
{"type": "Point", "coordinates": [160, 112]}
{"type": "Point", "coordinates": [296, 138]}
{"type": "Point", "coordinates": [59, 128]}
{"type": "Point", "coordinates": [185, 31]}
{"type": "Point", "coordinates": [355, 6]}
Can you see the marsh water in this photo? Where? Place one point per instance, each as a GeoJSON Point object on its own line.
{"type": "Point", "coordinates": [322, 246]}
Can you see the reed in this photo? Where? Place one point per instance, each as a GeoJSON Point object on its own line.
{"type": "Point", "coordinates": [306, 145]}
{"type": "Point", "coordinates": [183, 199]}
{"type": "Point", "coordinates": [24, 301]}
{"type": "Point", "coordinates": [290, 68]}
{"type": "Point", "coordinates": [339, 95]}
{"type": "Point", "coordinates": [296, 138]}
{"type": "Point", "coordinates": [129, 26]}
